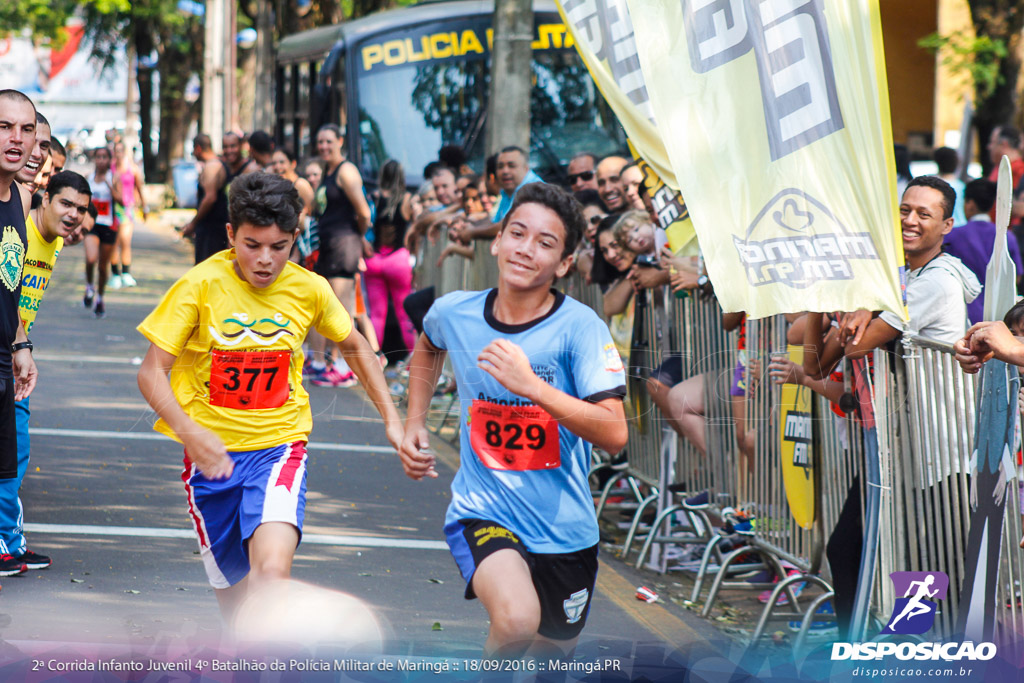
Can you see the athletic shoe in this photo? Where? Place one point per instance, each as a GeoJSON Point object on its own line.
{"type": "Point", "coordinates": [90, 294]}
{"type": "Point", "coordinates": [322, 377]}
{"type": "Point", "coordinates": [346, 380]}
{"type": "Point", "coordinates": [34, 560]}
{"type": "Point", "coordinates": [307, 368]}
{"type": "Point", "coordinates": [797, 588]}
{"type": "Point", "coordinates": [818, 627]}
{"type": "Point", "coordinates": [699, 501]}
{"type": "Point", "coordinates": [115, 282]}
{"type": "Point", "coordinates": [101, 310]}
{"type": "Point", "coordinates": [127, 280]}
{"type": "Point", "coordinates": [10, 566]}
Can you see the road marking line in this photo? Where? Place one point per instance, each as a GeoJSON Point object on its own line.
{"type": "Point", "coordinates": [315, 539]}
{"type": "Point", "coordinates": [651, 616]}
{"type": "Point", "coordinates": [116, 360]}
{"type": "Point", "coordinates": [141, 436]}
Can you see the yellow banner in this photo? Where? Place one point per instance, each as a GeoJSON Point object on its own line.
{"type": "Point", "coordinates": [668, 204]}
{"type": "Point", "coordinates": [775, 117]}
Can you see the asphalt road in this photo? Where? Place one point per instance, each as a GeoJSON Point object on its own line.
{"type": "Point", "coordinates": [104, 497]}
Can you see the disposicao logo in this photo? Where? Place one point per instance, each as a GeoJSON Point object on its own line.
{"type": "Point", "coordinates": [914, 614]}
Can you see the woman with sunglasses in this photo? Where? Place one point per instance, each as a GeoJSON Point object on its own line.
{"type": "Point", "coordinates": [593, 212]}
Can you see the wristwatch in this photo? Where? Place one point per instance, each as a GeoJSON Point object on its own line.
{"type": "Point", "coordinates": [18, 346]}
{"type": "Point", "coordinates": [703, 281]}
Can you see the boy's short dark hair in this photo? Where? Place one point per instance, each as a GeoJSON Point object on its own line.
{"type": "Point", "coordinates": [982, 192]}
{"type": "Point", "coordinates": [452, 156]}
{"type": "Point", "coordinates": [936, 183]}
{"type": "Point", "coordinates": [263, 199]}
{"type": "Point", "coordinates": [947, 160]}
{"type": "Point", "coordinates": [558, 200]}
{"type": "Point", "coordinates": [76, 182]}
{"type": "Point", "coordinates": [491, 165]}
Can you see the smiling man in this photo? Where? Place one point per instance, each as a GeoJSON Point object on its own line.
{"type": "Point", "coordinates": [609, 183]}
{"type": "Point", "coordinates": [37, 157]}
{"type": "Point", "coordinates": [64, 206]}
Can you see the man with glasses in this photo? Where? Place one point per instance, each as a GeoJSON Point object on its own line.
{"type": "Point", "coordinates": [582, 173]}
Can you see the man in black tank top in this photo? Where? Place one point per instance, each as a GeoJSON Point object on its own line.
{"type": "Point", "coordinates": [17, 369]}
{"type": "Point", "coordinates": [209, 225]}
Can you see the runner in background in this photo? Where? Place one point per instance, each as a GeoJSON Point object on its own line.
{"type": "Point", "coordinates": [283, 163]}
{"type": "Point", "coordinates": [128, 183]}
{"type": "Point", "coordinates": [102, 239]}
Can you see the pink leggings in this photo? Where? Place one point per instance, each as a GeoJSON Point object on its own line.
{"type": "Point", "coordinates": [388, 276]}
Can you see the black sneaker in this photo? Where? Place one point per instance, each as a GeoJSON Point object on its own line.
{"type": "Point", "coordinates": [87, 299]}
{"type": "Point", "coordinates": [101, 310]}
{"type": "Point", "coordinates": [34, 560]}
{"type": "Point", "coordinates": [698, 502]}
{"type": "Point", "coordinates": [10, 566]}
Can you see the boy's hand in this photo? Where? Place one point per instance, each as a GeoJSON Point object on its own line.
{"type": "Point", "coordinates": [508, 364]}
{"type": "Point", "coordinates": [396, 435]}
{"type": "Point", "coordinates": [208, 452]}
{"type": "Point", "coordinates": [416, 456]}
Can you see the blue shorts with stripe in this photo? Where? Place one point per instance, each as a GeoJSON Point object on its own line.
{"type": "Point", "coordinates": [267, 485]}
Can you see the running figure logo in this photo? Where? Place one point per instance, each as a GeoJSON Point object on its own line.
{"type": "Point", "coordinates": [914, 613]}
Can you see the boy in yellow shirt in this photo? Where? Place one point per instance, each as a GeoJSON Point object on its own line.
{"type": "Point", "coordinates": [230, 334]}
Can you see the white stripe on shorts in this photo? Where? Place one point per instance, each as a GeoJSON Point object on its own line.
{"type": "Point", "coordinates": [281, 491]}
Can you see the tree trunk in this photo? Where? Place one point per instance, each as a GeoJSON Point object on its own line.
{"type": "Point", "coordinates": [263, 114]}
{"type": "Point", "coordinates": [146, 121]}
{"type": "Point", "coordinates": [175, 68]}
{"type": "Point", "coordinates": [508, 112]}
{"type": "Point", "coordinates": [1001, 20]}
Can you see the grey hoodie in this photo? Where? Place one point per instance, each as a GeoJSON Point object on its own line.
{"type": "Point", "coordinates": [937, 298]}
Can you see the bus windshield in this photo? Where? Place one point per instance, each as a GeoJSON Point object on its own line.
{"type": "Point", "coordinates": [408, 112]}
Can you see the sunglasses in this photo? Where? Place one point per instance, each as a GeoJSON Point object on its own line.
{"type": "Point", "coordinates": [594, 220]}
{"type": "Point", "coordinates": [586, 176]}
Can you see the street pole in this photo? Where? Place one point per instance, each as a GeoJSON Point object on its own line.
{"type": "Point", "coordinates": [263, 116]}
{"type": "Point", "coordinates": [214, 72]}
{"type": "Point", "coordinates": [508, 115]}
{"type": "Point", "coordinates": [131, 118]}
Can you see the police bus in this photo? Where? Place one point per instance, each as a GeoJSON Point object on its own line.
{"type": "Point", "coordinates": [405, 82]}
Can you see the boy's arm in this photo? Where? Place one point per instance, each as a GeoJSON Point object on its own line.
{"type": "Point", "coordinates": [202, 446]}
{"type": "Point", "coordinates": [424, 369]}
{"type": "Point", "coordinates": [602, 423]}
{"type": "Point", "coordinates": [361, 358]}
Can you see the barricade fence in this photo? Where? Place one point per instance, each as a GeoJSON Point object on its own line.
{"type": "Point", "coordinates": [924, 422]}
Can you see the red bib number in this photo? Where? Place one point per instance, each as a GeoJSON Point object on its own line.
{"type": "Point", "coordinates": [249, 380]}
{"type": "Point", "coordinates": [514, 437]}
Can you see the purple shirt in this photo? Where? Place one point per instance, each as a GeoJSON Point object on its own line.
{"type": "Point", "coordinates": [972, 244]}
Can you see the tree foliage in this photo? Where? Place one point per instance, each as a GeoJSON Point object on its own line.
{"type": "Point", "coordinates": [991, 59]}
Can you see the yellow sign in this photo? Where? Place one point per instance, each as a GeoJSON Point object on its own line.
{"type": "Point", "coordinates": [776, 120]}
{"type": "Point", "coordinates": [796, 440]}
{"type": "Point", "coordinates": [448, 44]}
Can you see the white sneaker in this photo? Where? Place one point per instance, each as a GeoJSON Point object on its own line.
{"type": "Point", "coordinates": [127, 280]}
{"type": "Point", "coordinates": [115, 282]}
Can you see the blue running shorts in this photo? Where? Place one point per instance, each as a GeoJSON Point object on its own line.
{"type": "Point", "coordinates": [268, 485]}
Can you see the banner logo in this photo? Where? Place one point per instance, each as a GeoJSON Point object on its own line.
{"type": "Point", "coordinates": [794, 62]}
{"type": "Point", "coordinates": [806, 244]}
{"type": "Point", "coordinates": [914, 613]}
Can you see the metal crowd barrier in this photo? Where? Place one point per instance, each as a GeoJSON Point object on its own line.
{"type": "Point", "coordinates": [925, 416]}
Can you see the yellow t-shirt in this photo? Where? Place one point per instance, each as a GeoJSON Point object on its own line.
{"type": "Point", "coordinates": [238, 370]}
{"type": "Point", "coordinates": [39, 261]}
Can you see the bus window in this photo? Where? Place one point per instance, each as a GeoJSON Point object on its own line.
{"type": "Point", "coordinates": [408, 112]}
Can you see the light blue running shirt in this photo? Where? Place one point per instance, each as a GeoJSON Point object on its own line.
{"type": "Point", "coordinates": [519, 467]}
